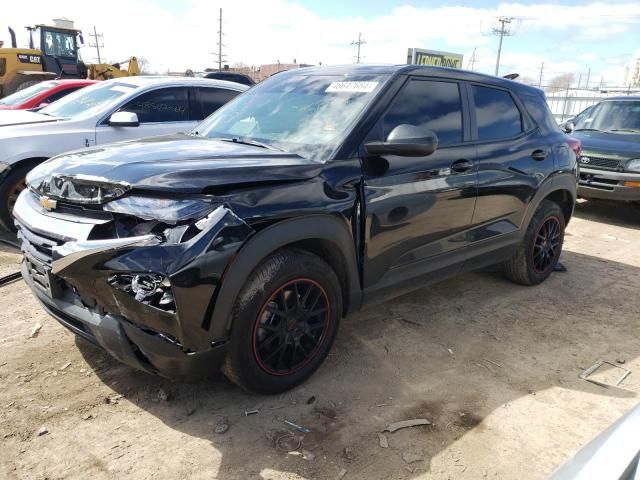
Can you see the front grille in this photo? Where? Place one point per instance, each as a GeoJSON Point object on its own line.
{"type": "Point", "coordinates": [38, 255]}
{"type": "Point", "coordinates": [599, 162]}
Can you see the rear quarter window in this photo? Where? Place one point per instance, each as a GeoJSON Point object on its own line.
{"type": "Point", "coordinates": [537, 107]}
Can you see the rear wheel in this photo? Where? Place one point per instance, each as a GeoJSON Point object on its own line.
{"type": "Point", "coordinates": [284, 322]}
{"type": "Point", "coordinates": [10, 189]}
{"type": "Point", "coordinates": [541, 248]}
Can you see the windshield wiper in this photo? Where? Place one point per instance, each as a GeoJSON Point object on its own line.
{"type": "Point", "coordinates": [587, 130]}
{"type": "Point", "coordinates": [244, 141]}
{"type": "Point", "coordinates": [631, 130]}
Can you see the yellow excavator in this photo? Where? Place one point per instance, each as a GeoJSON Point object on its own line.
{"type": "Point", "coordinates": [57, 57]}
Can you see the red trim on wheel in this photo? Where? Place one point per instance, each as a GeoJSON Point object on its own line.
{"type": "Point", "coordinates": [257, 325]}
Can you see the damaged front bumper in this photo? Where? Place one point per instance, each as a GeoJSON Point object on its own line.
{"type": "Point", "coordinates": [147, 301]}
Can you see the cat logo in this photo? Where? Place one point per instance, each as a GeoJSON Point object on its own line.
{"type": "Point", "coordinates": [48, 204]}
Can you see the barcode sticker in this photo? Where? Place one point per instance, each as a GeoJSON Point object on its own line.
{"type": "Point", "coordinates": [352, 87]}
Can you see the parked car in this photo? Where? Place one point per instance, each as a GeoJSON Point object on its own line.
{"type": "Point", "coordinates": [569, 124]}
{"type": "Point", "coordinates": [320, 190]}
{"type": "Point", "coordinates": [42, 94]}
{"type": "Point", "coordinates": [110, 111]}
{"type": "Point", "coordinates": [610, 158]}
{"type": "Point", "coordinates": [612, 455]}
{"type": "Point", "coordinates": [231, 77]}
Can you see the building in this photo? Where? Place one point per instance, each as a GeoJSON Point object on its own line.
{"type": "Point", "coordinates": [265, 71]}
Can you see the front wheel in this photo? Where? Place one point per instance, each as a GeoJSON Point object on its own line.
{"type": "Point", "coordinates": [541, 248]}
{"type": "Point", "coordinates": [284, 322]}
{"type": "Point", "coordinates": [10, 188]}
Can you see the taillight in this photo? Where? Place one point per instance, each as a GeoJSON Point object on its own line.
{"type": "Point", "coordinates": [576, 146]}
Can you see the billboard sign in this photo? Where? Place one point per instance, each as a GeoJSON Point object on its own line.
{"type": "Point", "coordinates": [434, 58]}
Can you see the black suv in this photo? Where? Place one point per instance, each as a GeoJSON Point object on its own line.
{"type": "Point", "coordinates": [610, 159]}
{"type": "Point", "coordinates": [244, 243]}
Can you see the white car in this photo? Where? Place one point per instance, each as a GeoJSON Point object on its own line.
{"type": "Point", "coordinates": [110, 111]}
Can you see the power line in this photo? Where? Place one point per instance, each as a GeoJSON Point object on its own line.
{"type": "Point", "coordinates": [501, 31]}
{"type": "Point", "coordinates": [97, 37]}
{"type": "Point", "coordinates": [359, 42]}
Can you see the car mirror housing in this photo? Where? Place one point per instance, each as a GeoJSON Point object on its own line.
{"type": "Point", "coordinates": [405, 141]}
{"type": "Point", "coordinates": [124, 119]}
{"type": "Point", "coordinates": [568, 127]}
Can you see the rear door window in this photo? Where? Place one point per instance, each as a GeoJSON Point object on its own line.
{"type": "Point", "coordinates": [497, 115]}
{"type": "Point", "coordinates": [209, 99]}
{"type": "Point", "coordinates": [433, 105]}
{"type": "Point", "coordinates": [58, 95]}
{"type": "Point", "coordinates": [160, 106]}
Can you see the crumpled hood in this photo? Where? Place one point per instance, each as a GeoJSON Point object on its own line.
{"type": "Point", "coordinates": [180, 163]}
{"type": "Point", "coordinates": [23, 117]}
{"type": "Point", "coordinates": [625, 145]}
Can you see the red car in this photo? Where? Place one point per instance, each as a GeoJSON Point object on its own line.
{"type": "Point", "coordinates": [42, 93]}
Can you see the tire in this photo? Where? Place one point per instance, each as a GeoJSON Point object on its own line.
{"type": "Point", "coordinates": [540, 250]}
{"type": "Point", "coordinates": [10, 188]}
{"type": "Point", "coordinates": [271, 350]}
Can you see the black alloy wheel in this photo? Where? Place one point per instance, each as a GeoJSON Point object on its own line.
{"type": "Point", "coordinates": [546, 245]}
{"type": "Point", "coordinates": [290, 327]}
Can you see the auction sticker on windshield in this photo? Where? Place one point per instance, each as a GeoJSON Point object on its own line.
{"type": "Point", "coordinates": [352, 87]}
{"type": "Point", "coordinates": [122, 88]}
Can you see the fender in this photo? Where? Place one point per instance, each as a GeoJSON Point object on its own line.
{"type": "Point", "coordinates": [313, 227]}
{"type": "Point", "coordinates": [557, 183]}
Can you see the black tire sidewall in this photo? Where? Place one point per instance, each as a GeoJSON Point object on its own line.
{"type": "Point", "coordinates": [16, 175]}
{"type": "Point", "coordinates": [547, 209]}
{"type": "Point", "coordinates": [279, 269]}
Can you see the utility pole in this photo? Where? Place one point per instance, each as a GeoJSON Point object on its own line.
{"type": "Point", "coordinates": [540, 79]}
{"type": "Point", "coordinates": [220, 44]}
{"type": "Point", "coordinates": [472, 61]}
{"type": "Point", "coordinates": [97, 42]}
{"type": "Point", "coordinates": [359, 42]}
{"type": "Point", "coordinates": [501, 31]}
{"type": "Point", "coordinates": [588, 75]}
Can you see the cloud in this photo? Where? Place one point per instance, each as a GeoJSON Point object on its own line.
{"type": "Point", "coordinates": [177, 35]}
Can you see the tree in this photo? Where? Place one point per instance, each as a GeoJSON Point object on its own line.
{"type": "Point", "coordinates": [528, 81]}
{"type": "Point", "coordinates": [143, 65]}
{"type": "Point", "coordinates": [560, 82]}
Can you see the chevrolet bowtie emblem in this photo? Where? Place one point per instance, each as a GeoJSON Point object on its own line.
{"type": "Point", "coordinates": [48, 203]}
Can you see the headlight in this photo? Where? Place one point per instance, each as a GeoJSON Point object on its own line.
{"type": "Point", "coordinates": [633, 165]}
{"type": "Point", "coordinates": [85, 189]}
{"type": "Point", "coordinates": [162, 209]}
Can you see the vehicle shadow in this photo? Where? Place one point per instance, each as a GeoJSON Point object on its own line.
{"type": "Point", "coordinates": [456, 353]}
{"type": "Point", "coordinates": [614, 213]}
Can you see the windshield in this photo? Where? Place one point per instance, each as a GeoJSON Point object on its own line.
{"type": "Point", "coordinates": [22, 96]}
{"type": "Point", "coordinates": [612, 116]}
{"type": "Point", "coordinates": [87, 101]}
{"type": "Point", "coordinates": [59, 44]}
{"type": "Point", "coordinates": [304, 114]}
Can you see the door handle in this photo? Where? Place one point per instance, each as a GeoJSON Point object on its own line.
{"type": "Point", "coordinates": [539, 155]}
{"type": "Point", "coordinates": [462, 165]}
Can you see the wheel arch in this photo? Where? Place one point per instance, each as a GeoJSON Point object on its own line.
{"type": "Point", "coordinates": [327, 236]}
{"type": "Point", "coordinates": [32, 161]}
{"type": "Point", "coordinates": [562, 190]}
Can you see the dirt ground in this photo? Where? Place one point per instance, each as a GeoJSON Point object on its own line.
{"type": "Point", "coordinates": [492, 365]}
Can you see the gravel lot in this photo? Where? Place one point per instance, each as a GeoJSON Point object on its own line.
{"type": "Point", "coordinates": [492, 365]}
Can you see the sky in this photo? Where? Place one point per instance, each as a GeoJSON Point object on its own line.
{"type": "Point", "coordinates": [568, 36]}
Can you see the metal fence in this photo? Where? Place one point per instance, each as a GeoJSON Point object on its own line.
{"type": "Point", "coordinates": [568, 102]}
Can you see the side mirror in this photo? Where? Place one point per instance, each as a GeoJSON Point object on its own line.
{"type": "Point", "coordinates": [405, 141]}
{"type": "Point", "coordinates": [124, 119]}
{"type": "Point", "coordinates": [568, 126]}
